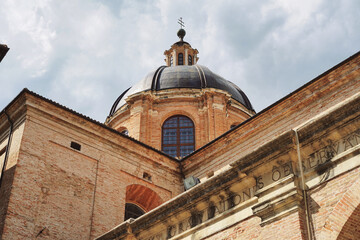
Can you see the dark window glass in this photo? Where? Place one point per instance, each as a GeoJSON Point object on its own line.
{"type": "Point", "coordinates": [180, 59]}
{"type": "Point", "coordinates": [125, 132]}
{"type": "Point", "coordinates": [132, 211]}
{"type": "Point", "coordinates": [190, 60]}
{"type": "Point", "coordinates": [178, 136]}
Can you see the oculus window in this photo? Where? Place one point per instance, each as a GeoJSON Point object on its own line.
{"type": "Point", "coordinates": [178, 136]}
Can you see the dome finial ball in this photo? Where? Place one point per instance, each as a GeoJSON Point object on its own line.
{"type": "Point", "coordinates": [181, 34]}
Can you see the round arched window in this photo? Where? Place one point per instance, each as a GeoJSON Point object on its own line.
{"type": "Point", "coordinates": [178, 136]}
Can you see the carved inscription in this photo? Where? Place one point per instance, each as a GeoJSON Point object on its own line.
{"type": "Point", "coordinates": [226, 203]}
{"type": "Point", "coordinates": [278, 172]}
{"type": "Point", "coordinates": [214, 209]}
{"type": "Point", "coordinates": [328, 152]}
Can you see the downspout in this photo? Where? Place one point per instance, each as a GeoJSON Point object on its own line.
{"type": "Point", "coordinates": [181, 170]}
{"type": "Point", "coordinates": [303, 187]}
{"type": "Point", "coordinates": [7, 147]}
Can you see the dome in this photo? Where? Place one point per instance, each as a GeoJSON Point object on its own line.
{"type": "Point", "coordinates": [183, 76]}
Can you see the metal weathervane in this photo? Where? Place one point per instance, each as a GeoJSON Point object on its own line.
{"type": "Point", "coordinates": [180, 21]}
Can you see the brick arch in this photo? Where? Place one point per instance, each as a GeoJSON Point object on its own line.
{"type": "Point", "coordinates": [177, 112]}
{"type": "Point", "coordinates": [122, 129]}
{"type": "Point", "coordinates": [143, 197]}
{"type": "Point", "coordinates": [351, 229]}
{"type": "Point", "coordinates": [346, 208]}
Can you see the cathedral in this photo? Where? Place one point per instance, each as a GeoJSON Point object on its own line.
{"type": "Point", "coordinates": [183, 155]}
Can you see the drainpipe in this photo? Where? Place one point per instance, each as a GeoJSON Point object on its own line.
{"type": "Point", "coordinates": [303, 187]}
{"type": "Point", "coordinates": [7, 147]}
{"type": "Point", "coordinates": [181, 170]}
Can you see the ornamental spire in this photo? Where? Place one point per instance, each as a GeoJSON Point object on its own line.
{"type": "Point", "coordinates": [181, 52]}
{"type": "Point", "coordinates": [181, 33]}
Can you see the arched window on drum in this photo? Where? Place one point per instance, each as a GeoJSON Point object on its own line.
{"type": "Point", "coordinates": [180, 59]}
{"type": "Point", "coordinates": [189, 60]}
{"type": "Point", "coordinates": [178, 136]}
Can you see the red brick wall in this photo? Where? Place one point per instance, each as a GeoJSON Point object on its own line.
{"type": "Point", "coordinates": [290, 227]}
{"type": "Point", "coordinates": [62, 193]}
{"type": "Point", "coordinates": [335, 206]}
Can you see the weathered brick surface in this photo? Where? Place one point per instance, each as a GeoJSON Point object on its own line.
{"type": "Point", "coordinates": [334, 207]}
{"type": "Point", "coordinates": [62, 193]}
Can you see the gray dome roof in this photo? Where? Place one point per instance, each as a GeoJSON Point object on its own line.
{"type": "Point", "coordinates": [194, 76]}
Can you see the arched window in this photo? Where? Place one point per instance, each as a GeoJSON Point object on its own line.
{"type": "Point", "coordinates": [190, 60]}
{"type": "Point", "coordinates": [178, 136]}
{"type": "Point", "coordinates": [132, 211]}
{"type": "Point", "coordinates": [123, 130]}
{"type": "Point", "coordinates": [171, 61]}
{"type": "Point", "coordinates": [180, 59]}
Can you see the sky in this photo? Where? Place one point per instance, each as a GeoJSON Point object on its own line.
{"type": "Point", "coordinates": [84, 53]}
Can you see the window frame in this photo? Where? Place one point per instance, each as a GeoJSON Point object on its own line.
{"type": "Point", "coordinates": [182, 59]}
{"type": "Point", "coordinates": [178, 144]}
{"type": "Point", "coordinates": [129, 213]}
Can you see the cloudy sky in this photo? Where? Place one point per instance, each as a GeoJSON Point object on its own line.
{"type": "Point", "coordinates": [84, 54]}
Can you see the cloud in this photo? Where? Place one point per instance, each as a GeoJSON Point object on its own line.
{"type": "Point", "coordinates": [30, 29]}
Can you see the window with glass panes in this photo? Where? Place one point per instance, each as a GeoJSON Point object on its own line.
{"type": "Point", "coordinates": [132, 211]}
{"type": "Point", "coordinates": [180, 59]}
{"type": "Point", "coordinates": [178, 136]}
{"type": "Point", "coordinates": [189, 60]}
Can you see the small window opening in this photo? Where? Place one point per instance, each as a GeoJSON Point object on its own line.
{"type": "Point", "coordinates": [147, 176]}
{"type": "Point", "coordinates": [75, 146]}
{"type": "Point", "coordinates": [180, 59]}
{"type": "Point", "coordinates": [190, 60]}
{"type": "Point", "coordinates": [171, 61]}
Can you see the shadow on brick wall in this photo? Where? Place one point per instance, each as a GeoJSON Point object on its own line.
{"type": "Point", "coordinates": [5, 192]}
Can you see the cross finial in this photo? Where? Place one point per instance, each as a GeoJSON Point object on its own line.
{"type": "Point", "coordinates": [180, 21]}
